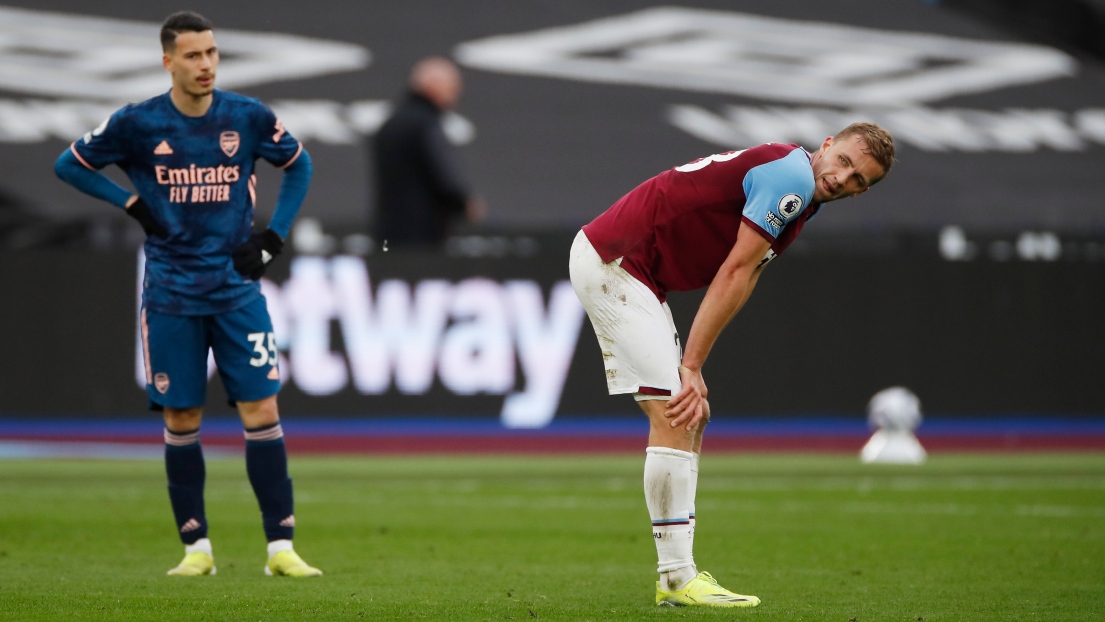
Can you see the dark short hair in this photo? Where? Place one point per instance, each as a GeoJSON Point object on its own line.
{"type": "Point", "coordinates": [182, 21]}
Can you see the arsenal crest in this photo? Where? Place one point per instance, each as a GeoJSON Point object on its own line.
{"type": "Point", "coordinates": [229, 142]}
{"type": "Point", "coordinates": [161, 382]}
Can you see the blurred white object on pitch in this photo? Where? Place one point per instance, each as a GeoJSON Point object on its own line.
{"type": "Point", "coordinates": [896, 412]}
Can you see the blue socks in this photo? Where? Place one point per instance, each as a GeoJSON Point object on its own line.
{"type": "Point", "coordinates": [187, 473]}
{"type": "Point", "coordinates": [267, 467]}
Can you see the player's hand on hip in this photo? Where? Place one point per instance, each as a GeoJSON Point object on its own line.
{"type": "Point", "coordinates": [138, 210]}
{"type": "Point", "coordinates": [687, 405]}
{"type": "Point", "coordinates": [251, 258]}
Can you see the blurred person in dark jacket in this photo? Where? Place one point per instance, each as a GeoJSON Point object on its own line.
{"type": "Point", "coordinates": [420, 186]}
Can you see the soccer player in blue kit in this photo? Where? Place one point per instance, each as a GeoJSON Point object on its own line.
{"type": "Point", "coordinates": [190, 155]}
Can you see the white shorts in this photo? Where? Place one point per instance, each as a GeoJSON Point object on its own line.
{"type": "Point", "coordinates": [636, 333]}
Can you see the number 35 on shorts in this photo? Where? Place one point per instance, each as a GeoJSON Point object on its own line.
{"type": "Point", "coordinates": [264, 349]}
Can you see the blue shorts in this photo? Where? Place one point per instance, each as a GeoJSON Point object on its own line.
{"type": "Point", "coordinates": [176, 348]}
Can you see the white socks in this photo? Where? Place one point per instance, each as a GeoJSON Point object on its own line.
{"type": "Point", "coordinates": [667, 495]}
{"type": "Point", "coordinates": [203, 545]}
{"type": "Point", "coordinates": [279, 545]}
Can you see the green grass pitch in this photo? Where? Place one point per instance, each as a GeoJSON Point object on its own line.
{"type": "Point", "coordinates": [818, 538]}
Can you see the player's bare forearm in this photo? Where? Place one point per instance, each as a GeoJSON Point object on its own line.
{"type": "Point", "coordinates": [726, 295]}
{"type": "Point", "coordinates": [724, 298]}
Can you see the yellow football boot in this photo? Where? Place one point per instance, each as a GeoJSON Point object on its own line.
{"type": "Point", "coordinates": [290, 564]}
{"type": "Point", "coordinates": [194, 565]}
{"type": "Point", "coordinates": [703, 591]}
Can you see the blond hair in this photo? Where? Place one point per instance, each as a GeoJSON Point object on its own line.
{"type": "Point", "coordinates": [880, 144]}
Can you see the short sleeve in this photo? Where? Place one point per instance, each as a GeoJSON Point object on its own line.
{"type": "Point", "coordinates": [777, 192]}
{"type": "Point", "coordinates": [274, 143]}
{"type": "Point", "coordinates": [107, 144]}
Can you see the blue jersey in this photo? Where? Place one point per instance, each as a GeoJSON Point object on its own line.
{"type": "Point", "coordinates": [196, 176]}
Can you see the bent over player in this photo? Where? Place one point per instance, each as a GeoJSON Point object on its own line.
{"type": "Point", "coordinates": [190, 155]}
{"type": "Point", "coordinates": [714, 222]}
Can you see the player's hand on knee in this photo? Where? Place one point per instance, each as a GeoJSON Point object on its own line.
{"type": "Point", "coordinates": [687, 405]}
{"type": "Point", "coordinates": [685, 399]}
{"type": "Point", "coordinates": [251, 258]}
{"type": "Point", "coordinates": [685, 408]}
{"type": "Point", "coordinates": [138, 210]}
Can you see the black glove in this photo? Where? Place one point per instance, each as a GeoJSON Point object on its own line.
{"type": "Point", "coordinates": [251, 258]}
{"type": "Point", "coordinates": [141, 212]}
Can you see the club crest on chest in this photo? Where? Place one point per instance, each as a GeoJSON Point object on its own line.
{"type": "Point", "coordinates": [229, 142]}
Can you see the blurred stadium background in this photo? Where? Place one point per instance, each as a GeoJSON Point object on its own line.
{"type": "Point", "coordinates": [972, 275]}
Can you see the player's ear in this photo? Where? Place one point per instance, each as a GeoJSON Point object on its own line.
{"type": "Point", "coordinates": [166, 60]}
{"type": "Point", "coordinates": [828, 142]}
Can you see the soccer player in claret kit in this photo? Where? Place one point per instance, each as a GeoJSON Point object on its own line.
{"type": "Point", "coordinates": [715, 222]}
{"type": "Point", "coordinates": [190, 155]}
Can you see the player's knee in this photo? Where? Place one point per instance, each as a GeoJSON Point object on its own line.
{"type": "Point", "coordinates": [259, 413]}
{"type": "Point", "coordinates": [183, 419]}
{"type": "Point", "coordinates": [675, 438]}
{"type": "Point", "coordinates": [663, 434]}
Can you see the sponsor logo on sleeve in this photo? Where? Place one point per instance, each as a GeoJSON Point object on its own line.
{"type": "Point", "coordinates": [775, 221]}
{"type": "Point", "coordinates": [789, 206]}
{"type": "Point", "coordinates": [96, 132]}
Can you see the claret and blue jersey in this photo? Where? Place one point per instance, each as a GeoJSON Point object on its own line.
{"type": "Point", "coordinates": [196, 176]}
{"type": "Point", "coordinates": [674, 231]}
{"type": "Point", "coordinates": [776, 192]}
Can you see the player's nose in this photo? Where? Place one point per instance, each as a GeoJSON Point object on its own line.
{"type": "Point", "coordinates": [840, 178]}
